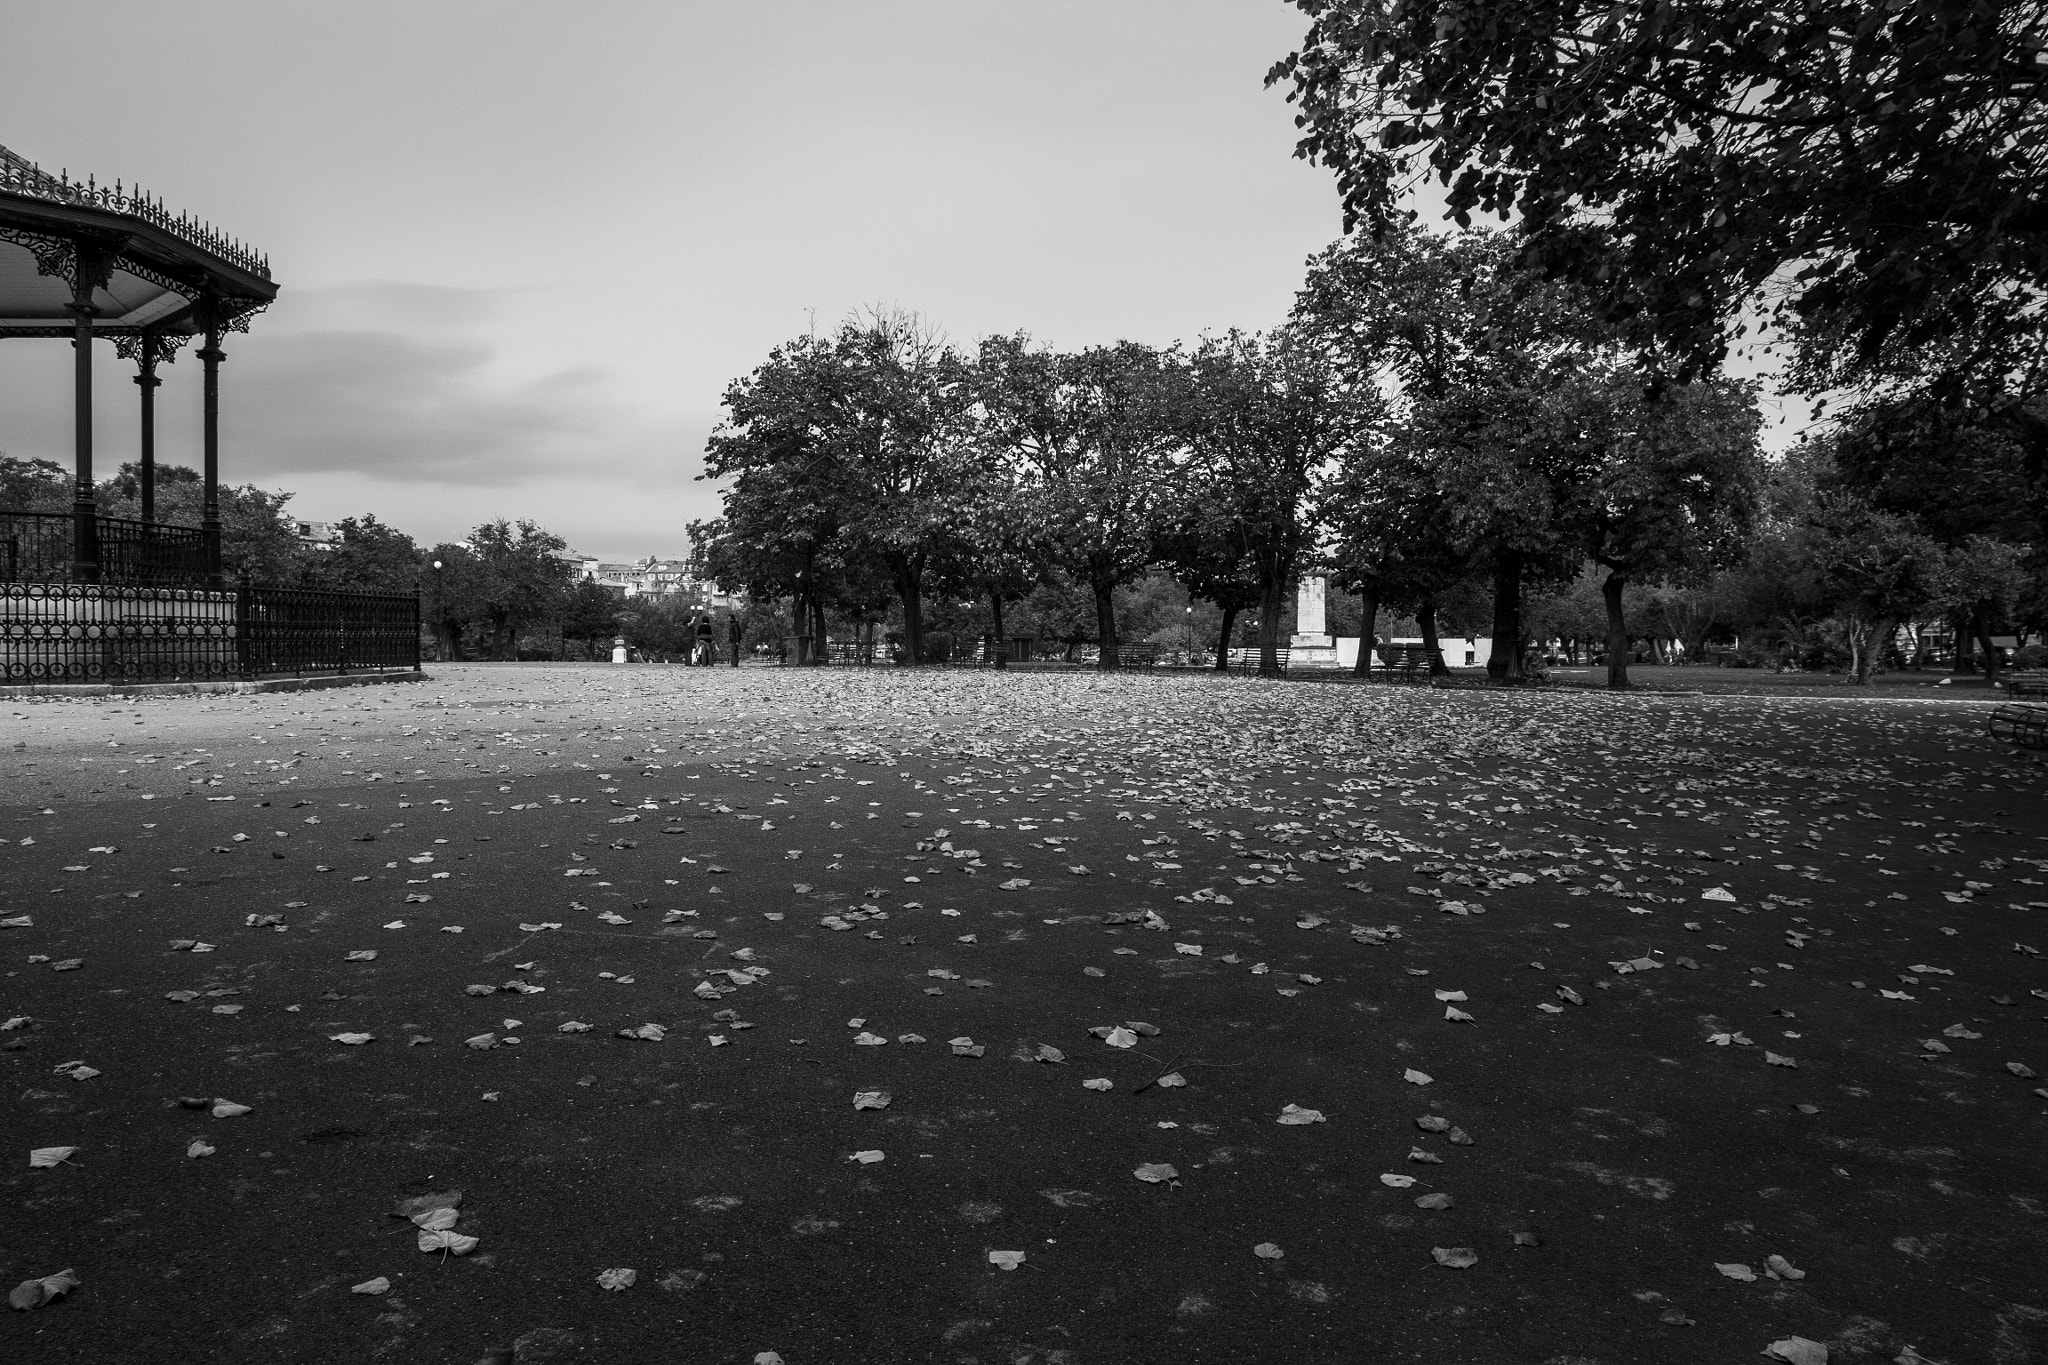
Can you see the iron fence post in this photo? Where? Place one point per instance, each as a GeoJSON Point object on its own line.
{"type": "Point", "coordinates": [243, 631]}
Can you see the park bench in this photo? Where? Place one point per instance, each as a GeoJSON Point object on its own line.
{"type": "Point", "coordinates": [2026, 726]}
{"type": "Point", "coordinates": [1247, 660]}
{"type": "Point", "coordinates": [1410, 663]}
{"type": "Point", "coordinates": [1143, 657]}
{"type": "Point", "coordinates": [2033, 683]}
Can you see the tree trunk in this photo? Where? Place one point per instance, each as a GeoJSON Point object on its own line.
{"type": "Point", "coordinates": [1105, 626]}
{"type": "Point", "coordinates": [1504, 664]}
{"type": "Point", "coordinates": [1368, 621]}
{"type": "Point", "coordinates": [1871, 648]}
{"type": "Point", "coordinates": [1002, 647]}
{"type": "Point", "coordinates": [816, 630]}
{"type": "Point", "coordinates": [1980, 626]}
{"type": "Point", "coordinates": [1617, 632]}
{"type": "Point", "coordinates": [1432, 648]}
{"type": "Point", "coordinates": [1270, 588]}
{"type": "Point", "coordinates": [1223, 640]}
{"type": "Point", "coordinates": [1964, 624]}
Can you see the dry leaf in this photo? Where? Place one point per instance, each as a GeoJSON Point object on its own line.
{"type": "Point", "coordinates": [435, 1220]}
{"type": "Point", "coordinates": [1267, 1251]}
{"type": "Point", "coordinates": [352, 1039]}
{"type": "Point", "coordinates": [1433, 1201]}
{"type": "Point", "coordinates": [1452, 1012]}
{"type": "Point", "coordinates": [198, 1149]}
{"type": "Point", "coordinates": [1457, 1258]}
{"type": "Point", "coordinates": [49, 1156]}
{"type": "Point", "coordinates": [1006, 1260]}
{"type": "Point", "coordinates": [1295, 1115]}
{"type": "Point", "coordinates": [482, 1042]}
{"type": "Point", "coordinates": [35, 1293]}
{"type": "Point", "coordinates": [1120, 1037]}
{"type": "Point", "coordinates": [1783, 1268]}
{"type": "Point", "coordinates": [1154, 1172]}
{"type": "Point", "coordinates": [2021, 1070]}
{"type": "Point", "coordinates": [1797, 1351]}
{"type": "Point", "coordinates": [454, 1243]}
{"type": "Point", "coordinates": [1735, 1270]}
{"type": "Point", "coordinates": [1048, 1053]}
{"type": "Point", "coordinates": [617, 1279]}
{"type": "Point", "coordinates": [228, 1109]}
{"type": "Point", "coordinates": [380, 1285]}
{"type": "Point", "coordinates": [871, 1099]}
{"type": "Point", "coordinates": [573, 1026]}
{"type": "Point", "coordinates": [362, 955]}
{"type": "Point", "coordinates": [1099, 1083]}
{"type": "Point", "coordinates": [867, 1158]}
{"type": "Point", "coordinates": [1171, 1080]}
{"type": "Point", "coordinates": [1414, 1077]}
{"type": "Point", "coordinates": [1775, 1059]}
{"type": "Point", "coordinates": [1399, 1182]}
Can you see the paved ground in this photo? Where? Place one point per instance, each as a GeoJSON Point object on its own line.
{"type": "Point", "coordinates": [814, 883]}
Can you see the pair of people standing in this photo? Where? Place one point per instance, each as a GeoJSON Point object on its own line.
{"type": "Point", "coordinates": [703, 650]}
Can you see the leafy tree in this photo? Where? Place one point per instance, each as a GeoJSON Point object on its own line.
{"type": "Point", "coordinates": [1097, 431]}
{"type": "Point", "coordinates": [455, 590]}
{"type": "Point", "coordinates": [1198, 543]}
{"type": "Point", "coordinates": [1270, 414]}
{"type": "Point", "coordinates": [589, 614]}
{"type": "Point", "coordinates": [33, 486]}
{"type": "Point", "coordinates": [525, 577]}
{"type": "Point", "coordinates": [995, 545]}
{"type": "Point", "coordinates": [258, 542]}
{"type": "Point", "coordinates": [1876, 568]}
{"type": "Point", "coordinates": [1880, 167]}
{"type": "Point", "coordinates": [1467, 352]}
{"type": "Point", "coordinates": [370, 557]}
{"type": "Point", "coordinates": [1671, 487]}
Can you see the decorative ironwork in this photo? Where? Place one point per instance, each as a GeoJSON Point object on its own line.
{"type": "Point", "coordinates": [163, 345]}
{"type": "Point", "coordinates": [22, 177]}
{"type": "Point", "coordinates": [53, 254]}
{"type": "Point", "coordinates": [90, 632]}
{"type": "Point", "coordinates": [36, 547]}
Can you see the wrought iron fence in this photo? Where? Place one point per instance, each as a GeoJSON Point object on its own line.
{"type": "Point", "coordinates": [312, 630]}
{"type": "Point", "coordinates": [95, 632]}
{"type": "Point", "coordinates": [38, 547]}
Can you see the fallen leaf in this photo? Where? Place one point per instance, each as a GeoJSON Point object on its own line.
{"type": "Point", "coordinates": [1399, 1182]}
{"type": "Point", "coordinates": [1171, 1080]}
{"type": "Point", "coordinates": [454, 1243]}
{"type": "Point", "coordinates": [1006, 1260]}
{"type": "Point", "coordinates": [436, 1219]}
{"type": "Point", "coordinates": [1433, 1201]}
{"type": "Point", "coordinates": [1154, 1172]}
{"type": "Point", "coordinates": [43, 1157]}
{"type": "Point", "coordinates": [871, 1099]}
{"type": "Point", "coordinates": [1294, 1114]}
{"type": "Point", "coordinates": [1735, 1270]}
{"type": "Point", "coordinates": [1099, 1083]}
{"type": "Point", "coordinates": [1267, 1251]}
{"type": "Point", "coordinates": [198, 1149]}
{"type": "Point", "coordinates": [617, 1279]}
{"type": "Point", "coordinates": [1457, 1258]}
{"type": "Point", "coordinates": [1783, 1268]}
{"type": "Point", "coordinates": [35, 1293]}
{"type": "Point", "coordinates": [1414, 1077]}
{"type": "Point", "coordinates": [867, 1158]}
{"type": "Point", "coordinates": [1797, 1351]}
{"type": "Point", "coordinates": [380, 1285]}
{"type": "Point", "coordinates": [352, 1039]}
{"type": "Point", "coordinates": [228, 1109]}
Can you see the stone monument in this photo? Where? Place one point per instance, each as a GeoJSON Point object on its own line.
{"type": "Point", "coordinates": [1312, 642]}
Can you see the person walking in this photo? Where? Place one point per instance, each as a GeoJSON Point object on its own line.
{"type": "Point", "coordinates": [734, 633]}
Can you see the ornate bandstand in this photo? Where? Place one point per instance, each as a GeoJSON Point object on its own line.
{"type": "Point", "coordinates": [88, 597]}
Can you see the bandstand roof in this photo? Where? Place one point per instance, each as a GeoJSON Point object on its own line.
{"type": "Point", "coordinates": [162, 264]}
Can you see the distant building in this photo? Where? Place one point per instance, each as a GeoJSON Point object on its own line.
{"type": "Point", "coordinates": [318, 535]}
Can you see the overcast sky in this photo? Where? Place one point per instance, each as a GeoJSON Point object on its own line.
{"type": "Point", "coordinates": [524, 246]}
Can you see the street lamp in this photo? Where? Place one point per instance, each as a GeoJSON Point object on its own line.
{"type": "Point", "coordinates": [1191, 634]}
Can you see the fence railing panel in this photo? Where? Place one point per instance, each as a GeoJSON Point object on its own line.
{"type": "Point", "coordinates": [96, 632]}
{"type": "Point", "coordinates": [38, 547]}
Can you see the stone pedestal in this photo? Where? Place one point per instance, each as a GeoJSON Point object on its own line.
{"type": "Point", "coordinates": [1312, 642]}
